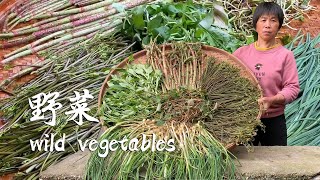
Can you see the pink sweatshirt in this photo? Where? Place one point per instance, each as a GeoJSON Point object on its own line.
{"type": "Point", "coordinates": [276, 71]}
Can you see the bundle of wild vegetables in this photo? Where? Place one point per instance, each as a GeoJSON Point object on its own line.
{"type": "Point", "coordinates": [187, 21]}
{"type": "Point", "coordinates": [195, 103]}
{"type": "Point", "coordinates": [82, 66]}
{"type": "Point", "coordinates": [54, 23]}
{"type": "Point", "coordinates": [241, 12]}
{"type": "Point", "coordinates": [17, 156]}
{"type": "Point", "coordinates": [303, 117]}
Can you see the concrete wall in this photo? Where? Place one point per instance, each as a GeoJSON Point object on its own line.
{"type": "Point", "coordinates": [276, 162]}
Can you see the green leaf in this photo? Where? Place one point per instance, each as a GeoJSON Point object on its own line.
{"type": "Point", "coordinates": [199, 32]}
{"type": "Point", "coordinates": [249, 39]}
{"type": "Point", "coordinates": [176, 30]}
{"type": "Point", "coordinates": [286, 39]}
{"type": "Point", "coordinates": [130, 58]}
{"type": "Point", "coordinates": [154, 23]}
{"type": "Point", "coordinates": [140, 71]}
{"type": "Point", "coordinates": [137, 18]}
{"type": "Point", "coordinates": [146, 40]}
{"type": "Point", "coordinates": [207, 21]}
{"type": "Point", "coordinates": [154, 6]}
{"type": "Point", "coordinates": [220, 33]}
{"type": "Point", "coordinates": [124, 85]}
{"type": "Point", "coordinates": [163, 32]}
{"type": "Point", "coordinates": [131, 72]}
{"type": "Point", "coordinates": [173, 9]}
{"type": "Point", "coordinates": [189, 24]}
{"type": "Point", "coordinates": [106, 71]}
{"type": "Point", "coordinates": [153, 9]}
{"type": "Point", "coordinates": [148, 70]}
{"type": "Point", "coordinates": [181, 7]}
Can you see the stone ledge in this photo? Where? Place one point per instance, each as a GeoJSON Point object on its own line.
{"type": "Point", "coordinates": [268, 162]}
{"type": "Point", "coordinates": [279, 162]}
{"type": "Point", "coordinates": [71, 168]}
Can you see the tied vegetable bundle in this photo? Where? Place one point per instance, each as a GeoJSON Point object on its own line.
{"type": "Point", "coordinates": [180, 94]}
{"type": "Point", "coordinates": [82, 66]}
{"type": "Point", "coordinates": [34, 26]}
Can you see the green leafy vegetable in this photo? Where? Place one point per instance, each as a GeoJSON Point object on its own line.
{"type": "Point", "coordinates": [132, 94]}
{"type": "Point", "coordinates": [181, 21]}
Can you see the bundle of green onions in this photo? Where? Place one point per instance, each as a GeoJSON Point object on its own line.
{"type": "Point", "coordinates": [303, 118]}
{"type": "Point", "coordinates": [177, 96]}
{"type": "Point", "coordinates": [199, 155]}
{"type": "Point", "coordinates": [82, 66]}
{"type": "Point", "coordinates": [54, 23]}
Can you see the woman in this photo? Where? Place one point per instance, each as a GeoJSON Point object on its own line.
{"type": "Point", "coordinates": [275, 68]}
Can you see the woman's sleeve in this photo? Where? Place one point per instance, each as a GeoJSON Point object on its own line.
{"type": "Point", "coordinates": [290, 79]}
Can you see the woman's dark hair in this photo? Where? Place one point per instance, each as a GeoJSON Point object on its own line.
{"type": "Point", "coordinates": [268, 8]}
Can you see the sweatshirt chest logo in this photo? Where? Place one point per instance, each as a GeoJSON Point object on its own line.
{"type": "Point", "coordinates": [258, 66]}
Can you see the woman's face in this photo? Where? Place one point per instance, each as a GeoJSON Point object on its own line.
{"type": "Point", "coordinates": [267, 27]}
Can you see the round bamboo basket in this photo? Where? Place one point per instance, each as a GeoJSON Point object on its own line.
{"type": "Point", "coordinates": [220, 55]}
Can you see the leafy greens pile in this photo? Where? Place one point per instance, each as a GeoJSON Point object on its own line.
{"type": "Point", "coordinates": [181, 21]}
{"type": "Point", "coordinates": [131, 95]}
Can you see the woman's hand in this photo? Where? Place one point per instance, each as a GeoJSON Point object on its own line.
{"type": "Point", "coordinates": [266, 102]}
